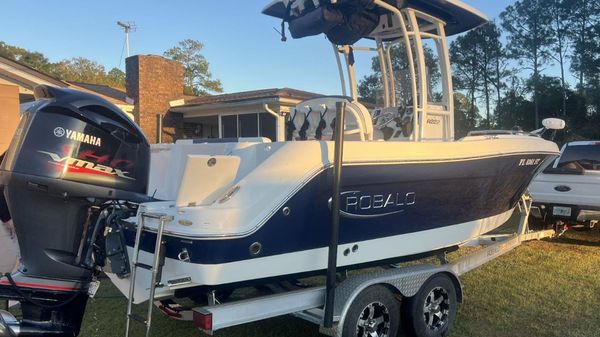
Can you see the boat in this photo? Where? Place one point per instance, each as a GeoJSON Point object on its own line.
{"type": "Point", "coordinates": [249, 211]}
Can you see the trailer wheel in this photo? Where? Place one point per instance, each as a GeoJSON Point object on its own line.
{"type": "Point", "coordinates": [431, 312]}
{"type": "Point", "coordinates": [374, 312]}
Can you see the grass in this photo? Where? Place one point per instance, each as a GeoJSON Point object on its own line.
{"type": "Point", "coordinates": [543, 288]}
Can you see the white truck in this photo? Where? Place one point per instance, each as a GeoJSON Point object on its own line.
{"type": "Point", "coordinates": [567, 193]}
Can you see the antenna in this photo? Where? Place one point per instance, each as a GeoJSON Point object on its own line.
{"type": "Point", "coordinates": [127, 27]}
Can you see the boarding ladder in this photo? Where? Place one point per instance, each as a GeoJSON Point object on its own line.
{"type": "Point", "coordinates": [155, 269]}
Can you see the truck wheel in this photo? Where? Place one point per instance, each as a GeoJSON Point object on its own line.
{"type": "Point", "coordinates": [431, 312]}
{"type": "Point", "coordinates": [374, 312]}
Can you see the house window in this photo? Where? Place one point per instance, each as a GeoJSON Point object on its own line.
{"type": "Point", "coordinates": [268, 126]}
{"type": "Point", "coordinates": [249, 125]}
{"type": "Point", "coordinates": [230, 126]}
{"type": "Point", "coordinates": [202, 127]}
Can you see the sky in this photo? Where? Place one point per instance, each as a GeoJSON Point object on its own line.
{"type": "Point", "coordinates": [243, 49]}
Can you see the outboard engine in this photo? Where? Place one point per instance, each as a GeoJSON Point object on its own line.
{"type": "Point", "coordinates": [73, 157]}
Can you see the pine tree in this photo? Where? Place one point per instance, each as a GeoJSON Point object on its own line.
{"type": "Point", "coordinates": [197, 77]}
{"type": "Point", "coordinates": [527, 23]}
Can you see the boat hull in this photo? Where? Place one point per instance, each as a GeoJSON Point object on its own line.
{"type": "Point", "coordinates": [389, 211]}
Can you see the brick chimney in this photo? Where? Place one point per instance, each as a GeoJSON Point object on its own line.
{"type": "Point", "coordinates": [153, 81]}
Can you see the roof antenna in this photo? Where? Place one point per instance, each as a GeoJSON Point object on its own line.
{"type": "Point", "coordinates": [127, 27]}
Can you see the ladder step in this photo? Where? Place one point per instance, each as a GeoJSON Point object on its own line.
{"type": "Point", "coordinates": [143, 266]}
{"type": "Point", "coordinates": [157, 216]}
{"type": "Point", "coordinates": [138, 318]}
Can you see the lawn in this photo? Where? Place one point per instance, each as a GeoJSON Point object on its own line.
{"type": "Point", "coordinates": [543, 288]}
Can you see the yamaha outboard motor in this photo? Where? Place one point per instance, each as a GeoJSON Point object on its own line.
{"type": "Point", "coordinates": [74, 159]}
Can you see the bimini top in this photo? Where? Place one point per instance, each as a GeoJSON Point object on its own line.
{"type": "Point", "coordinates": [347, 21]}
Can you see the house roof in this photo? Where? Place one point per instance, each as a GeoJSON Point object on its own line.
{"type": "Point", "coordinates": [112, 94]}
{"type": "Point", "coordinates": [251, 95]}
{"type": "Point", "coordinates": [27, 77]}
{"type": "Point", "coordinates": [24, 75]}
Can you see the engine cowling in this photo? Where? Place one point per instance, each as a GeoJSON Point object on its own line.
{"type": "Point", "coordinates": [71, 150]}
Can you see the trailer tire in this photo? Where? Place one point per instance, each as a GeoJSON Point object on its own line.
{"type": "Point", "coordinates": [374, 310]}
{"type": "Point", "coordinates": [431, 312]}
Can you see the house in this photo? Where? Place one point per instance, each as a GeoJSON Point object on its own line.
{"type": "Point", "coordinates": [156, 85]}
{"type": "Point", "coordinates": [242, 114]}
{"type": "Point", "coordinates": [154, 98]}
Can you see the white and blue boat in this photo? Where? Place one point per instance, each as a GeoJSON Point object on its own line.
{"type": "Point", "coordinates": [249, 211]}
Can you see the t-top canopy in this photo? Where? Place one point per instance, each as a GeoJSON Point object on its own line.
{"type": "Point", "coordinates": [459, 16]}
{"type": "Point", "coordinates": [347, 21]}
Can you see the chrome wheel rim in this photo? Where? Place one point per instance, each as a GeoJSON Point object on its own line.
{"type": "Point", "coordinates": [436, 309]}
{"type": "Point", "coordinates": [374, 321]}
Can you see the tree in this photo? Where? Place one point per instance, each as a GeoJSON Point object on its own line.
{"type": "Point", "coordinates": [527, 23]}
{"type": "Point", "coordinates": [551, 96]}
{"type": "Point", "coordinates": [370, 88]}
{"type": "Point", "coordinates": [489, 62]}
{"type": "Point", "coordinates": [584, 26]}
{"type": "Point", "coordinates": [466, 116]}
{"type": "Point", "coordinates": [479, 64]}
{"type": "Point", "coordinates": [500, 62]}
{"type": "Point", "coordinates": [464, 53]}
{"type": "Point", "coordinates": [116, 78]}
{"type": "Point", "coordinates": [583, 32]}
{"type": "Point", "coordinates": [514, 108]}
{"type": "Point", "coordinates": [560, 13]}
{"type": "Point", "coordinates": [34, 60]}
{"type": "Point", "coordinates": [79, 69]}
{"type": "Point", "coordinates": [197, 77]}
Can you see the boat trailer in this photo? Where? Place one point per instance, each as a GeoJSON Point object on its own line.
{"type": "Point", "coordinates": [356, 295]}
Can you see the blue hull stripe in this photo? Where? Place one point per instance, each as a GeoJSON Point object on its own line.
{"type": "Point", "coordinates": [415, 197]}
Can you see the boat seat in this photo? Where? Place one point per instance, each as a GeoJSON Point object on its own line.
{"type": "Point", "coordinates": [314, 119]}
{"type": "Point", "coordinates": [395, 123]}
